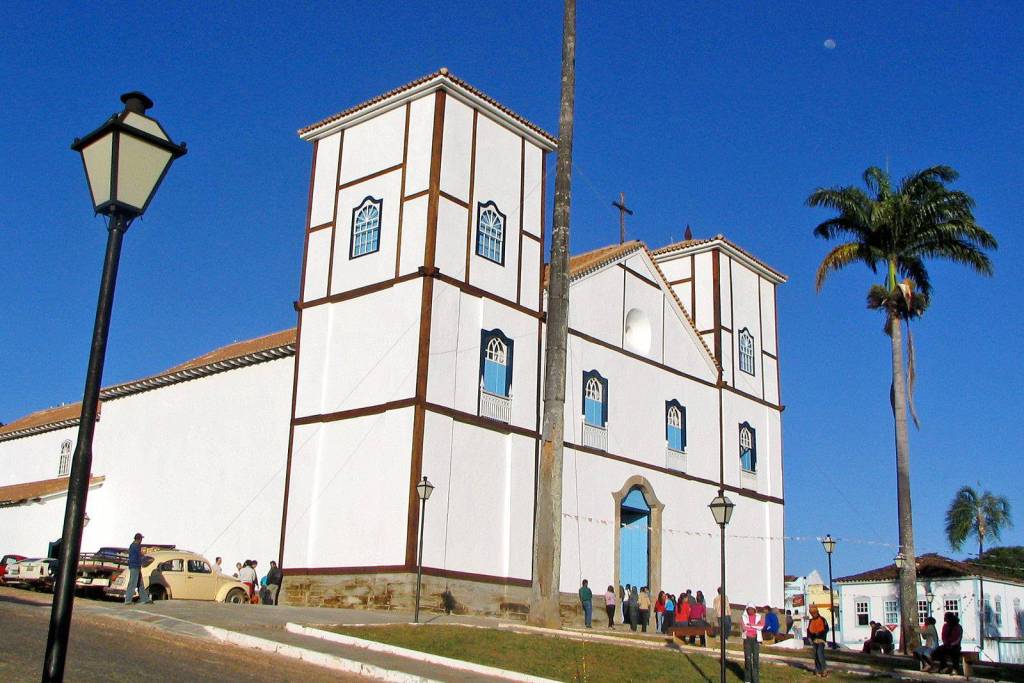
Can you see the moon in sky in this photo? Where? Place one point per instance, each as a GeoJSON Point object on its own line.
{"type": "Point", "coordinates": [830, 44]}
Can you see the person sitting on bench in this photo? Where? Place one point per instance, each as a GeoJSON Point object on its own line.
{"type": "Point", "coordinates": [880, 640]}
{"type": "Point", "coordinates": [946, 657]}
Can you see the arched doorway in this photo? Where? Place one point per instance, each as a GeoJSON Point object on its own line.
{"type": "Point", "coordinates": [635, 539]}
{"type": "Point", "coordinates": [638, 512]}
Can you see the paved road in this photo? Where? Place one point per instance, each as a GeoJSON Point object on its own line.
{"type": "Point", "coordinates": [104, 649]}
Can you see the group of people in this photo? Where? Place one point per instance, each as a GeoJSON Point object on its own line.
{"type": "Point", "coordinates": [262, 590]}
{"type": "Point", "coordinates": [942, 658]}
{"type": "Point", "coordinates": [635, 605]}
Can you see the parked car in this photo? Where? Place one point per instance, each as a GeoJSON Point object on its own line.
{"type": "Point", "coordinates": [182, 575]}
{"type": "Point", "coordinates": [8, 561]}
{"type": "Point", "coordinates": [13, 575]}
{"type": "Point", "coordinates": [38, 573]}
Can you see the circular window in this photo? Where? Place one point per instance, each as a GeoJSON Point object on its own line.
{"type": "Point", "coordinates": [638, 331]}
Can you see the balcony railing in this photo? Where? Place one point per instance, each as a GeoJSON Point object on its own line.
{"type": "Point", "coordinates": [495, 407]}
{"type": "Point", "coordinates": [675, 460]}
{"type": "Point", "coordinates": [595, 437]}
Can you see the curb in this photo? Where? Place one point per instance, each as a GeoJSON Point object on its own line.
{"type": "Point", "coordinates": [323, 659]}
{"type": "Point", "coordinates": [425, 657]}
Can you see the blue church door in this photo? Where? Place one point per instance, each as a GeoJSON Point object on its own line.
{"type": "Point", "coordinates": [634, 539]}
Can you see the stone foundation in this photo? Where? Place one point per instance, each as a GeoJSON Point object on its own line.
{"type": "Point", "coordinates": [397, 591]}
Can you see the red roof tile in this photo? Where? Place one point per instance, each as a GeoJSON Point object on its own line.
{"type": "Point", "coordinates": [929, 565]}
{"type": "Point", "coordinates": [19, 494]}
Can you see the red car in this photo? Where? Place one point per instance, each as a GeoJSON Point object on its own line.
{"type": "Point", "coordinates": [7, 562]}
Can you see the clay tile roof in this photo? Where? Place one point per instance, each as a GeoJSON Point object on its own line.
{"type": "Point", "coordinates": [19, 494]}
{"type": "Point", "coordinates": [440, 74]}
{"type": "Point", "coordinates": [684, 244]}
{"type": "Point", "coordinates": [929, 565]}
{"type": "Point", "coordinates": [238, 354]}
{"type": "Point", "coordinates": [589, 261]}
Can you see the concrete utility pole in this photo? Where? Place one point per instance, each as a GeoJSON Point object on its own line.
{"type": "Point", "coordinates": [621, 206]}
{"type": "Point", "coordinates": [547, 528]}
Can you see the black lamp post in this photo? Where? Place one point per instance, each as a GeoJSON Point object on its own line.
{"type": "Point", "coordinates": [424, 489]}
{"type": "Point", "coordinates": [829, 544]}
{"type": "Point", "coordinates": [721, 508]}
{"type": "Point", "coordinates": [125, 159]}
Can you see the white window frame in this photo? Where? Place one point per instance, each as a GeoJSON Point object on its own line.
{"type": "Point", "coordinates": [923, 611]}
{"type": "Point", "coordinates": [366, 227]}
{"type": "Point", "coordinates": [749, 443]}
{"type": "Point", "coordinates": [490, 233]}
{"type": "Point", "coordinates": [64, 466]}
{"type": "Point", "coordinates": [998, 611]}
{"type": "Point", "coordinates": [746, 348]}
{"type": "Point", "coordinates": [862, 608]}
{"type": "Point", "coordinates": [674, 418]}
{"type": "Point", "coordinates": [891, 608]}
{"type": "Point", "coordinates": [951, 604]}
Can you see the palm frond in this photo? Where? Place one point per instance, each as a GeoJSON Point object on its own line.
{"type": "Point", "coordinates": [911, 375]}
{"type": "Point", "coordinates": [840, 257]}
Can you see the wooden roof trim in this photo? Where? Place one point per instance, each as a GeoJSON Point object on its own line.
{"type": "Point", "coordinates": [738, 252]}
{"type": "Point", "coordinates": [33, 491]}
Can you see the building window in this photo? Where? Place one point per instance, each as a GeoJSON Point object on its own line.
{"type": "Point", "coordinates": [951, 605]}
{"type": "Point", "coordinates": [64, 468]}
{"type": "Point", "coordinates": [490, 232]}
{"type": "Point", "coordinates": [675, 425]}
{"type": "Point", "coordinates": [366, 227]}
{"type": "Point", "coordinates": [999, 611]}
{"type": "Point", "coordinates": [922, 611]}
{"type": "Point", "coordinates": [595, 399]}
{"type": "Point", "coordinates": [746, 351]}
{"type": "Point", "coordinates": [748, 448]}
{"type": "Point", "coordinates": [863, 618]}
{"type": "Point", "coordinates": [496, 362]}
{"type": "Point", "coordinates": [892, 611]}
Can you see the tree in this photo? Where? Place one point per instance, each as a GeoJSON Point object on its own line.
{"type": "Point", "coordinates": [547, 528]}
{"type": "Point", "coordinates": [897, 229]}
{"type": "Point", "coordinates": [1007, 560]}
{"type": "Point", "coordinates": [981, 516]}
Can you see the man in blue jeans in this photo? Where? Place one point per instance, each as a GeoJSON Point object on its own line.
{"type": "Point", "coordinates": [587, 599]}
{"type": "Point", "coordinates": [135, 574]}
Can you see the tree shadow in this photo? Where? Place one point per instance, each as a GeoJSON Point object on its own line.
{"type": "Point", "coordinates": [698, 670]}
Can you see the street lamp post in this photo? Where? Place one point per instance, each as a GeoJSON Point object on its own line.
{"type": "Point", "coordinates": [900, 560]}
{"type": "Point", "coordinates": [424, 489]}
{"type": "Point", "coordinates": [829, 544]}
{"type": "Point", "coordinates": [125, 160]}
{"type": "Point", "coordinates": [721, 508]}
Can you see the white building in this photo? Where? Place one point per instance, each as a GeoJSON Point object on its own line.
{"type": "Point", "coordinates": [418, 352]}
{"type": "Point", "coordinates": [943, 585]}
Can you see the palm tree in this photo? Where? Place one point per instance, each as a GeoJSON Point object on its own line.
{"type": "Point", "coordinates": [547, 528]}
{"type": "Point", "coordinates": [982, 516]}
{"type": "Point", "coordinates": [897, 229]}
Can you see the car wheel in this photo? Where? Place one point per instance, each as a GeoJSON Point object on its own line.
{"type": "Point", "coordinates": [157, 592]}
{"type": "Point", "coordinates": [236, 596]}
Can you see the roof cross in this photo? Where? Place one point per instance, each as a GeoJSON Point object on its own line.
{"type": "Point", "coordinates": [623, 210]}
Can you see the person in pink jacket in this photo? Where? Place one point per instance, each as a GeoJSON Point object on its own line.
{"type": "Point", "coordinates": [753, 624]}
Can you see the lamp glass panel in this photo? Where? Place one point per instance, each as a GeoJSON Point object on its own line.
{"type": "Point", "coordinates": [140, 167]}
{"type": "Point", "coordinates": [425, 488]}
{"type": "Point", "coordinates": [97, 157]}
{"type": "Point", "coordinates": [146, 124]}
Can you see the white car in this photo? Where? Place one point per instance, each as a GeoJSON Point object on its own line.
{"type": "Point", "coordinates": [182, 575]}
{"type": "Point", "coordinates": [37, 573]}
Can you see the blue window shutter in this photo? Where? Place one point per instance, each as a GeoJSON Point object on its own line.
{"type": "Point", "coordinates": [485, 337]}
{"type": "Point", "coordinates": [682, 412]}
{"type": "Point", "coordinates": [587, 374]}
{"type": "Point", "coordinates": [753, 450]}
{"type": "Point", "coordinates": [604, 401]}
{"type": "Point", "coordinates": [668, 406]}
{"type": "Point", "coordinates": [509, 344]}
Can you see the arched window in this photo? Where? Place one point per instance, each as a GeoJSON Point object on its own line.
{"type": "Point", "coordinates": [496, 362]}
{"type": "Point", "coordinates": [366, 227]}
{"type": "Point", "coordinates": [675, 425]}
{"type": "Point", "coordinates": [748, 448]}
{"type": "Point", "coordinates": [595, 399]}
{"type": "Point", "coordinates": [746, 351]}
{"type": "Point", "coordinates": [64, 468]}
{"type": "Point", "coordinates": [490, 232]}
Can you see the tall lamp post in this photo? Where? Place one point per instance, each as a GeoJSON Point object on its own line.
{"type": "Point", "coordinates": [829, 544]}
{"type": "Point", "coordinates": [424, 489]}
{"type": "Point", "coordinates": [721, 508]}
{"type": "Point", "coordinates": [125, 160]}
{"type": "Point", "coordinates": [900, 560]}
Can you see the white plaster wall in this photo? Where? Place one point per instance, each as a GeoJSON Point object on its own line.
{"type": "Point", "coordinates": [530, 288]}
{"type": "Point", "coordinates": [373, 145]}
{"type": "Point", "coordinates": [591, 301]}
{"type": "Point", "coordinates": [349, 273]}
{"type": "Point", "coordinates": [642, 296]}
{"type": "Point", "coordinates": [371, 358]}
{"type": "Point", "coordinates": [497, 179]}
{"type": "Point", "coordinates": [414, 235]}
{"type": "Point", "coordinates": [729, 360]}
{"type": "Point", "coordinates": [454, 371]}
{"type": "Point", "coordinates": [480, 516]}
{"type": "Point", "coordinates": [313, 360]}
{"type": "Point", "coordinates": [767, 425]}
{"type": "Point", "coordinates": [704, 282]}
{"type": "Point", "coordinates": [746, 292]}
{"type": "Point", "coordinates": [325, 180]}
{"type": "Point", "coordinates": [456, 148]}
{"type": "Point", "coordinates": [450, 256]}
{"type": "Point", "coordinates": [421, 133]}
{"type": "Point", "coordinates": [37, 457]}
{"type": "Point", "coordinates": [677, 268]}
{"type": "Point", "coordinates": [768, 317]}
{"type": "Point", "coordinates": [770, 377]}
{"type": "Point", "coordinates": [726, 284]}
{"type": "Point", "coordinates": [533, 191]}
{"type": "Point", "coordinates": [683, 351]}
{"type": "Point", "coordinates": [318, 255]}
{"type": "Point", "coordinates": [347, 494]}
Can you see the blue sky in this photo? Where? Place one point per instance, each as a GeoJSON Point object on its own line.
{"type": "Point", "coordinates": [721, 116]}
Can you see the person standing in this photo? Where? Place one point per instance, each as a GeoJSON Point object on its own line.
{"type": "Point", "coordinates": [721, 605]}
{"type": "Point", "coordinates": [659, 611]}
{"type": "Point", "coordinates": [753, 624]}
{"type": "Point", "coordinates": [624, 602]}
{"type": "Point", "coordinates": [247, 575]}
{"type": "Point", "coordinates": [817, 631]}
{"type": "Point", "coordinates": [645, 608]}
{"type": "Point", "coordinates": [669, 617]}
{"type": "Point", "coordinates": [931, 641]}
{"type": "Point", "coordinates": [135, 581]}
{"type": "Point", "coordinates": [587, 600]}
{"type": "Point", "coordinates": [789, 621]}
{"type": "Point", "coordinates": [771, 622]}
{"type": "Point", "coordinates": [634, 608]}
{"type": "Point", "coordinates": [699, 617]}
{"type": "Point", "coordinates": [609, 605]}
{"type": "Point", "coordinates": [274, 577]}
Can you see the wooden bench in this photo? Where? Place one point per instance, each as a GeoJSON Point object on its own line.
{"type": "Point", "coordinates": [682, 632]}
{"type": "Point", "coordinates": [967, 659]}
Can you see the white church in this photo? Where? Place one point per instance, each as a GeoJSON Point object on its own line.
{"type": "Point", "coordinates": [418, 352]}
